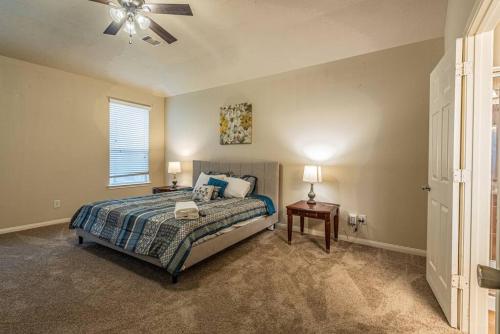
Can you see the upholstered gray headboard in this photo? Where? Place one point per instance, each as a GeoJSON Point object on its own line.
{"type": "Point", "coordinates": [267, 174]}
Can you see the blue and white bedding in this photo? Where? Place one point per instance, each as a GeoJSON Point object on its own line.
{"type": "Point", "coordinates": [146, 225]}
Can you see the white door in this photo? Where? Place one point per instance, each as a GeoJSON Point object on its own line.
{"type": "Point", "coordinates": [443, 199]}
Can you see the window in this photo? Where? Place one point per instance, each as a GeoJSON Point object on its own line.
{"type": "Point", "coordinates": [128, 143]}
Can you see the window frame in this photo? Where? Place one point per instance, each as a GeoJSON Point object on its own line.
{"type": "Point", "coordinates": [138, 105]}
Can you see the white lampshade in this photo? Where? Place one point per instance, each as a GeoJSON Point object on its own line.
{"type": "Point", "coordinates": [312, 174]}
{"type": "Point", "coordinates": [174, 167]}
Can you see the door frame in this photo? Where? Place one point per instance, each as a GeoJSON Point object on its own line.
{"type": "Point", "coordinates": [479, 219]}
{"type": "Point", "coordinates": [476, 110]}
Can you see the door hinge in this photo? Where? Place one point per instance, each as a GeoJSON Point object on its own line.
{"type": "Point", "coordinates": [461, 175]}
{"type": "Point", "coordinates": [459, 282]}
{"type": "Point", "coordinates": [463, 69]}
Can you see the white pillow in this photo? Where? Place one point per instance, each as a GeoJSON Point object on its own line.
{"type": "Point", "coordinates": [236, 187]}
{"type": "Point", "coordinates": [203, 179]}
{"type": "Point", "coordinates": [203, 193]}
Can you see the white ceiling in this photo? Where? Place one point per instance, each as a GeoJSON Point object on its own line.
{"type": "Point", "coordinates": [225, 41]}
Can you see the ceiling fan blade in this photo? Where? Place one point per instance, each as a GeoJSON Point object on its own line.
{"type": "Point", "coordinates": [174, 9]}
{"type": "Point", "coordinates": [104, 2]}
{"type": "Point", "coordinates": [165, 35]}
{"type": "Point", "coordinates": [114, 27]}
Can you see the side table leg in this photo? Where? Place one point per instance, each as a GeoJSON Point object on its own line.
{"type": "Point", "coordinates": [290, 221]}
{"type": "Point", "coordinates": [301, 224]}
{"type": "Point", "coordinates": [336, 226]}
{"type": "Point", "coordinates": [328, 234]}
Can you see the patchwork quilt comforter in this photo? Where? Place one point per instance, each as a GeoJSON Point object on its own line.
{"type": "Point", "coordinates": [146, 225]}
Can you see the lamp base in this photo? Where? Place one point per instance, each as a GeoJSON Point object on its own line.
{"type": "Point", "coordinates": [311, 196]}
{"type": "Point", "coordinates": [174, 182]}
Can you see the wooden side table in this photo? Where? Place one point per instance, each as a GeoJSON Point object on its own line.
{"type": "Point", "coordinates": [320, 210]}
{"type": "Point", "coordinates": [166, 189]}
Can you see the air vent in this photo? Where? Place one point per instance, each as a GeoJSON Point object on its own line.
{"type": "Point", "coordinates": [151, 41]}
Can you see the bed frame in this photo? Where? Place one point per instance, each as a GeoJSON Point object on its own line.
{"type": "Point", "coordinates": [267, 174]}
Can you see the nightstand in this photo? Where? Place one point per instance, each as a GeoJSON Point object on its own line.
{"type": "Point", "coordinates": [321, 210]}
{"type": "Point", "coordinates": [166, 189]}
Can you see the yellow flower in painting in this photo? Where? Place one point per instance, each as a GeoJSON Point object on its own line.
{"type": "Point", "coordinates": [235, 124]}
{"type": "Point", "coordinates": [224, 126]}
{"type": "Point", "coordinates": [246, 120]}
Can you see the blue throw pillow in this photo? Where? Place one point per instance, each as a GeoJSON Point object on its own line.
{"type": "Point", "coordinates": [218, 183]}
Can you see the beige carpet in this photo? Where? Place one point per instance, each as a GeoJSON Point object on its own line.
{"type": "Point", "coordinates": [50, 284]}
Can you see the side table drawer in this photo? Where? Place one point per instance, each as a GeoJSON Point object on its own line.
{"type": "Point", "coordinates": [312, 214]}
{"type": "Point", "coordinates": [308, 214]}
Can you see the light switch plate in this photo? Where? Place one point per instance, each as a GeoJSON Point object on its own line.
{"type": "Point", "coordinates": [352, 219]}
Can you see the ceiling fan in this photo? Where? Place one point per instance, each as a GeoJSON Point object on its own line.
{"type": "Point", "coordinates": [132, 13]}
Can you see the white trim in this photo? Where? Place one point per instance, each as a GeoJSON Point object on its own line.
{"type": "Point", "coordinates": [35, 225]}
{"type": "Point", "coordinates": [488, 21]}
{"type": "Point", "coordinates": [483, 18]}
{"type": "Point", "coordinates": [482, 21]}
{"type": "Point", "coordinates": [481, 179]}
{"type": "Point", "coordinates": [491, 302]}
{"type": "Point", "coordinates": [130, 185]}
{"type": "Point", "coordinates": [465, 206]}
{"type": "Point", "coordinates": [129, 103]}
{"type": "Point", "coordinates": [361, 241]}
{"type": "Point", "coordinates": [383, 245]}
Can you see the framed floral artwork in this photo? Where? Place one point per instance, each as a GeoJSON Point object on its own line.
{"type": "Point", "coordinates": [235, 124]}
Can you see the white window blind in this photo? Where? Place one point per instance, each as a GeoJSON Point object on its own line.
{"type": "Point", "coordinates": [128, 143]}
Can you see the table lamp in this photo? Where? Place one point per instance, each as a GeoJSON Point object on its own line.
{"type": "Point", "coordinates": [312, 175]}
{"type": "Point", "coordinates": [174, 167]}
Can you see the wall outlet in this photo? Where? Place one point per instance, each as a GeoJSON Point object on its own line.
{"type": "Point", "coordinates": [57, 203]}
{"type": "Point", "coordinates": [361, 219]}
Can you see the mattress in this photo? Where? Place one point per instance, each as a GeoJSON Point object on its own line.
{"type": "Point", "coordinates": [226, 230]}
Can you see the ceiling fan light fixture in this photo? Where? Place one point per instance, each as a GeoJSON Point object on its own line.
{"type": "Point", "coordinates": [117, 14]}
{"type": "Point", "coordinates": [126, 14]}
{"type": "Point", "coordinates": [130, 28]}
{"type": "Point", "coordinates": [143, 22]}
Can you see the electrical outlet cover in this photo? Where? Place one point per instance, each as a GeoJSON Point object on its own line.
{"type": "Point", "coordinates": [352, 219]}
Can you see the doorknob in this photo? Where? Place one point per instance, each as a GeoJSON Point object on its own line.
{"type": "Point", "coordinates": [426, 188]}
{"type": "Point", "coordinates": [488, 277]}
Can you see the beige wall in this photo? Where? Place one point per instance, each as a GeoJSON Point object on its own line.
{"type": "Point", "coordinates": [54, 141]}
{"type": "Point", "coordinates": [458, 13]}
{"type": "Point", "coordinates": [364, 118]}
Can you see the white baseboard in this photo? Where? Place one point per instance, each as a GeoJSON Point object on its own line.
{"type": "Point", "coordinates": [361, 241]}
{"type": "Point", "coordinates": [35, 225]}
{"type": "Point", "coordinates": [378, 244]}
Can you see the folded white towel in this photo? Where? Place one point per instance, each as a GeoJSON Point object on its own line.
{"type": "Point", "coordinates": [186, 210]}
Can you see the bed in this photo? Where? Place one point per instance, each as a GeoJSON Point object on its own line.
{"type": "Point", "coordinates": [144, 226]}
